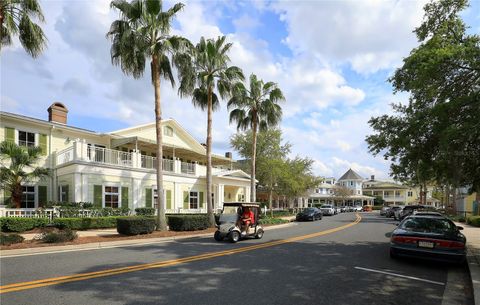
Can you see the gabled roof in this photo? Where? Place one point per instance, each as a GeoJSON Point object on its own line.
{"type": "Point", "coordinates": [351, 175]}
{"type": "Point", "coordinates": [236, 173]}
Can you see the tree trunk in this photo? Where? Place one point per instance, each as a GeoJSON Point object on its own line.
{"type": "Point", "coordinates": [17, 196]}
{"type": "Point", "coordinates": [209, 158]}
{"type": "Point", "coordinates": [270, 203]}
{"type": "Point", "coordinates": [253, 191]}
{"type": "Point", "coordinates": [162, 225]}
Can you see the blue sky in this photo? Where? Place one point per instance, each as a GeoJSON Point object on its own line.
{"type": "Point", "coordinates": [331, 59]}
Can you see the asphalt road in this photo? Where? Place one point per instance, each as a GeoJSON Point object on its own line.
{"type": "Point", "coordinates": [347, 266]}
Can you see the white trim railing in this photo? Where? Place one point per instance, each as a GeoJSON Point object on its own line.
{"type": "Point", "coordinates": [65, 156]}
{"type": "Point", "coordinates": [29, 213]}
{"type": "Point", "coordinates": [151, 163]}
{"type": "Point", "coordinates": [109, 156]}
{"type": "Point", "coordinates": [185, 211]}
{"type": "Point", "coordinates": [187, 168]}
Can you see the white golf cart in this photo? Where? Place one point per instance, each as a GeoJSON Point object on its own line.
{"type": "Point", "coordinates": [229, 222]}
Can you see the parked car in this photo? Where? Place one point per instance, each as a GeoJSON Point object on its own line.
{"type": "Point", "coordinates": [367, 208]}
{"type": "Point", "coordinates": [338, 209]}
{"type": "Point", "coordinates": [428, 237]}
{"type": "Point", "coordinates": [357, 208]}
{"type": "Point", "coordinates": [396, 213]}
{"type": "Point", "coordinates": [391, 212]}
{"type": "Point", "coordinates": [328, 209]}
{"type": "Point", "coordinates": [309, 214]}
{"type": "Point", "coordinates": [343, 209]}
{"type": "Point", "coordinates": [409, 210]}
{"type": "Point", "coordinates": [428, 213]}
{"type": "Point", "coordinates": [383, 211]}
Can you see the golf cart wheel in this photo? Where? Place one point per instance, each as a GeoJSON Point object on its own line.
{"type": "Point", "coordinates": [259, 234]}
{"type": "Point", "coordinates": [234, 236]}
{"type": "Point", "coordinates": [217, 236]}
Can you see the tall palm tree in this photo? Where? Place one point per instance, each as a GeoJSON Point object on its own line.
{"type": "Point", "coordinates": [256, 108]}
{"type": "Point", "coordinates": [16, 19]}
{"type": "Point", "coordinates": [141, 34]}
{"type": "Point", "coordinates": [18, 166]}
{"type": "Point", "coordinates": [208, 73]}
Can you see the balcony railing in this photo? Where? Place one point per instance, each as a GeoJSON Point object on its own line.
{"type": "Point", "coordinates": [151, 163]}
{"type": "Point", "coordinates": [188, 168]}
{"type": "Point", "coordinates": [109, 156]}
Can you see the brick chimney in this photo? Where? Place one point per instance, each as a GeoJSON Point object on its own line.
{"type": "Point", "coordinates": [372, 177]}
{"type": "Point", "coordinates": [57, 113]}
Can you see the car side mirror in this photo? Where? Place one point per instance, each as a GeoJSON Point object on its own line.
{"type": "Point", "coordinates": [459, 228]}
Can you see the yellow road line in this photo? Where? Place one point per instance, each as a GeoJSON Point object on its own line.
{"type": "Point", "coordinates": [90, 275]}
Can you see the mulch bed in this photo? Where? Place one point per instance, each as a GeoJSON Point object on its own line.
{"type": "Point", "coordinates": [97, 239]}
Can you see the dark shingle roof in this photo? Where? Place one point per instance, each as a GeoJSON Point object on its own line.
{"type": "Point", "coordinates": [351, 175]}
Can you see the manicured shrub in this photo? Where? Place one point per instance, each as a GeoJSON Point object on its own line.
{"type": "Point", "coordinates": [135, 225]}
{"type": "Point", "coordinates": [188, 222]}
{"type": "Point", "coordinates": [145, 211]}
{"type": "Point", "coordinates": [59, 236]}
{"type": "Point", "coordinates": [21, 224]}
{"type": "Point", "coordinates": [272, 221]}
{"type": "Point", "coordinates": [86, 223]}
{"type": "Point", "coordinates": [8, 239]}
{"type": "Point", "coordinates": [473, 221]}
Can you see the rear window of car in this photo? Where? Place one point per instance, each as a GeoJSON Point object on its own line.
{"type": "Point", "coordinates": [427, 225]}
{"type": "Point", "coordinates": [326, 206]}
{"type": "Point", "coordinates": [310, 210]}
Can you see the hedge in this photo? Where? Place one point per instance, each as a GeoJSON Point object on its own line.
{"type": "Point", "coordinates": [8, 239]}
{"type": "Point", "coordinates": [188, 222]}
{"type": "Point", "coordinates": [474, 221]}
{"type": "Point", "coordinates": [86, 223]}
{"type": "Point", "coordinates": [145, 211]}
{"type": "Point", "coordinates": [272, 221]}
{"type": "Point", "coordinates": [135, 225]}
{"type": "Point", "coordinates": [377, 207]}
{"type": "Point", "coordinates": [21, 224]}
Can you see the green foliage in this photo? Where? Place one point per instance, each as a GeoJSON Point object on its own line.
{"type": "Point", "coordinates": [377, 207]}
{"type": "Point", "coordinates": [135, 225]}
{"type": "Point", "coordinates": [86, 223]}
{"type": "Point", "coordinates": [21, 224]}
{"type": "Point", "coordinates": [59, 236]}
{"type": "Point", "coordinates": [435, 136]}
{"type": "Point", "coordinates": [378, 201]}
{"type": "Point", "coordinates": [21, 168]}
{"type": "Point", "coordinates": [18, 19]}
{"type": "Point", "coordinates": [188, 222]}
{"type": "Point", "coordinates": [145, 211]}
{"type": "Point", "coordinates": [8, 239]}
{"type": "Point", "coordinates": [473, 221]}
{"type": "Point", "coordinates": [272, 221]}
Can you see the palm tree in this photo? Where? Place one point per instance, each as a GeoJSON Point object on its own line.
{"type": "Point", "coordinates": [256, 108]}
{"type": "Point", "coordinates": [16, 19]}
{"type": "Point", "coordinates": [142, 33]}
{"type": "Point", "coordinates": [18, 167]}
{"type": "Point", "coordinates": [209, 72]}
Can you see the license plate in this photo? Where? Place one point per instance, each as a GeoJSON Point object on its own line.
{"type": "Point", "coordinates": [426, 244]}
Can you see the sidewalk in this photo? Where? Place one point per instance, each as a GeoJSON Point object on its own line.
{"type": "Point", "coordinates": [473, 257]}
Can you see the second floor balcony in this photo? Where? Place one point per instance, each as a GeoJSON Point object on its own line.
{"type": "Point", "coordinates": [133, 160]}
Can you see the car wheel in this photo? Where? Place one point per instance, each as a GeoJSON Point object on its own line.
{"type": "Point", "coordinates": [259, 234]}
{"type": "Point", "coordinates": [393, 255]}
{"type": "Point", "coordinates": [234, 236]}
{"type": "Point", "coordinates": [218, 236]}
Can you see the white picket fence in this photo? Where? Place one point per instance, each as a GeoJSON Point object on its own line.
{"type": "Point", "coordinates": [29, 213]}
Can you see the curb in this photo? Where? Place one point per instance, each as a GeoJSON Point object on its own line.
{"type": "Point", "coordinates": [473, 260]}
{"type": "Point", "coordinates": [109, 244]}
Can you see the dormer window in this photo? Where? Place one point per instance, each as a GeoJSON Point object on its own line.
{"type": "Point", "coordinates": [168, 131]}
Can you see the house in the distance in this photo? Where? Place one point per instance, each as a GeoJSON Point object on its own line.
{"type": "Point", "coordinates": [117, 169]}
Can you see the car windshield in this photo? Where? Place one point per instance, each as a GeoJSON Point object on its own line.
{"type": "Point", "coordinates": [427, 225]}
{"type": "Point", "coordinates": [229, 215]}
{"type": "Point", "coordinates": [326, 206]}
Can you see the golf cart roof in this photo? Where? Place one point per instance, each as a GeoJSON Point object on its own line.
{"type": "Point", "coordinates": [241, 204]}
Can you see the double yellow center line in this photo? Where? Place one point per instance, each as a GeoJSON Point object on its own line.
{"type": "Point", "coordinates": [91, 275]}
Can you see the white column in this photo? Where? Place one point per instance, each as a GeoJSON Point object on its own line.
{"type": "Point", "coordinates": [177, 166]}
{"type": "Point", "coordinates": [77, 189]}
{"type": "Point", "coordinates": [247, 194]}
{"type": "Point", "coordinates": [177, 200]}
{"type": "Point", "coordinates": [136, 159]}
{"type": "Point", "coordinates": [221, 195]}
{"type": "Point", "coordinates": [84, 188]}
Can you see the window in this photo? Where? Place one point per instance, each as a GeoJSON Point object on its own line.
{"type": "Point", "coordinates": [410, 194]}
{"type": "Point", "coordinates": [351, 183]}
{"type": "Point", "coordinates": [28, 197]}
{"type": "Point", "coordinates": [168, 131]}
{"type": "Point", "coordinates": [241, 197]}
{"type": "Point", "coordinates": [375, 193]}
{"type": "Point", "coordinates": [63, 193]}
{"type": "Point", "coordinates": [397, 193]}
{"type": "Point", "coordinates": [193, 200]}
{"type": "Point", "coordinates": [26, 139]}
{"type": "Point", "coordinates": [112, 196]}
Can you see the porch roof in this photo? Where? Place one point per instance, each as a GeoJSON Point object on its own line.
{"type": "Point", "coordinates": [140, 142]}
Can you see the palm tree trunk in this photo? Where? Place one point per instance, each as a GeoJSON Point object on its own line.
{"type": "Point", "coordinates": [253, 191]}
{"type": "Point", "coordinates": [270, 204]}
{"type": "Point", "coordinates": [17, 196]}
{"type": "Point", "coordinates": [209, 158]}
{"type": "Point", "coordinates": [162, 226]}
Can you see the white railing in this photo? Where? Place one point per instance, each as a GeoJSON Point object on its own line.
{"type": "Point", "coordinates": [185, 211]}
{"type": "Point", "coordinates": [65, 156]}
{"type": "Point", "coordinates": [168, 165]}
{"type": "Point", "coordinates": [109, 156]}
{"type": "Point", "coordinates": [29, 213]}
{"type": "Point", "coordinates": [151, 163]}
{"type": "Point", "coordinates": [188, 168]}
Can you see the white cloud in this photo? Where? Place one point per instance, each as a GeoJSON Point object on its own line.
{"type": "Point", "coordinates": [369, 34]}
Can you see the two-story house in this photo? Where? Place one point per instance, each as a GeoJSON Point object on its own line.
{"type": "Point", "coordinates": [117, 169]}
